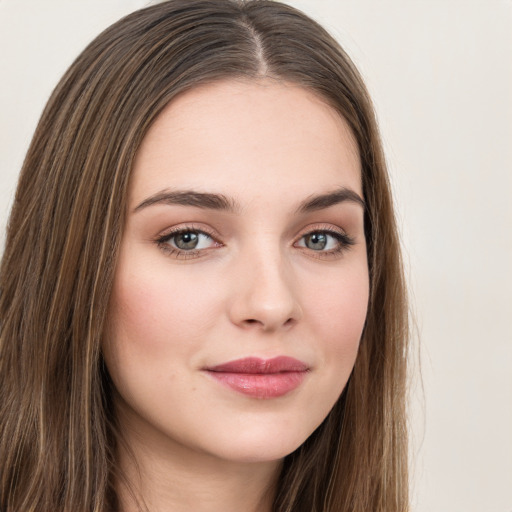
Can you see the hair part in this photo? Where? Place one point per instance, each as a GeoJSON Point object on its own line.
{"type": "Point", "coordinates": [58, 436]}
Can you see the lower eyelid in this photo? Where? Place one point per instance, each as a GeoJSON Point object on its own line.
{"type": "Point", "coordinates": [179, 254]}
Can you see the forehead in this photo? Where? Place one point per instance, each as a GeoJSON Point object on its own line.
{"type": "Point", "coordinates": [247, 135]}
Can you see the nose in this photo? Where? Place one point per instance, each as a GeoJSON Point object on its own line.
{"type": "Point", "coordinates": [265, 294]}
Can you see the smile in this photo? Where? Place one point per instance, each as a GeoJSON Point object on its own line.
{"type": "Point", "coordinates": [261, 378]}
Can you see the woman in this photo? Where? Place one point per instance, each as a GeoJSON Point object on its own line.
{"type": "Point", "coordinates": [202, 302]}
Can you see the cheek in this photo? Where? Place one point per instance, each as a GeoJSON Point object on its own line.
{"type": "Point", "coordinates": [157, 310]}
{"type": "Point", "coordinates": [335, 315]}
{"type": "Point", "coordinates": [157, 322]}
{"type": "Point", "coordinates": [338, 313]}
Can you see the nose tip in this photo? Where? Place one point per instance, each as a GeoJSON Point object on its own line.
{"type": "Point", "coordinates": [265, 299]}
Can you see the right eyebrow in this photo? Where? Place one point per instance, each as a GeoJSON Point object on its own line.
{"type": "Point", "coordinates": [204, 200]}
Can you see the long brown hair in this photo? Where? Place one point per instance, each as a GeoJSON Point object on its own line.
{"type": "Point", "coordinates": [57, 434]}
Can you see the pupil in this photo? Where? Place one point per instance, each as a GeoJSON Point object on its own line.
{"type": "Point", "coordinates": [316, 241]}
{"type": "Point", "coordinates": [186, 240]}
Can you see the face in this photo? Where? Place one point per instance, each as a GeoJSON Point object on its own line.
{"type": "Point", "coordinates": [242, 283]}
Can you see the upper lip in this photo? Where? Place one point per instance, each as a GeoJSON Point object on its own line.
{"type": "Point", "coordinates": [256, 365]}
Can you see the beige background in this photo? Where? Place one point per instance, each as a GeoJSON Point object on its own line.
{"type": "Point", "coordinates": [440, 73]}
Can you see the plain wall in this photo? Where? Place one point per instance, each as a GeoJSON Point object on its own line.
{"type": "Point", "coordinates": [440, 73]}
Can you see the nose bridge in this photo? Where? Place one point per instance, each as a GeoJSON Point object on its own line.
{"type": "Point", "coordinates": [265, 293]}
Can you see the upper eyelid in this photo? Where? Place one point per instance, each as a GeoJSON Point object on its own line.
{"type": "Point", "coordinates": [341, 236]}
{"type": "Point", "coordinates": [326, 227]}
{"type": "Point", "coordinates": [216, 236]}
{"type": "Point", "coordinates": [176, 230]}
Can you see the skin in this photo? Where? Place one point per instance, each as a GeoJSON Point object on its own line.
{"type": "Point", "coordinates": [256, 285]}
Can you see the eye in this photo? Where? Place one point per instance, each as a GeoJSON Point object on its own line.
{"type": "Point", "coordinates": [186, 242]}
{"type": "Point", "coordinates": [325, 241]}
{"type": "Point", "coordinates": [319, 241]}
{"type": "Point", "coordinates": [189, 240]}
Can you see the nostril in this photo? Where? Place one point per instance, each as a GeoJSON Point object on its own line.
{"type": "Point", "coordinates": [253, 321]}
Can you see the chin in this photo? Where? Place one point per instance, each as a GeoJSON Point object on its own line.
{"type": "Point", "coordinates": [253, 445]}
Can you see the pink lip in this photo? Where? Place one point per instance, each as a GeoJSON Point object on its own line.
{"type": "Point", "coordinates": [261, 378]}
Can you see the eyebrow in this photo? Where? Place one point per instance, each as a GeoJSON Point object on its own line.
{"type": "Point", "coordinates": [203, 200]}
{"type": "Point", "coordinates": [209, 201]}
{"type": "Point", "coordinates": [322, 201]}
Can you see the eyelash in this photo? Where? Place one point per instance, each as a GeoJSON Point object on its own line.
{"type": "Point", "coordinates": [345, 242]}
{"type": "Point", "coordinates": [163, 242]}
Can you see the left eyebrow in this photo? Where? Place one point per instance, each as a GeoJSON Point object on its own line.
{"type": "Point", "coordinates": [319, 202]}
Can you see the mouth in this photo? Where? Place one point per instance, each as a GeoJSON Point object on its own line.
{"type": "Point", "coordinates": [261, 378]}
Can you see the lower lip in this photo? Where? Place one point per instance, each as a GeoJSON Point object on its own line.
{"type": "Point", "coordinates": [261, 385]}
